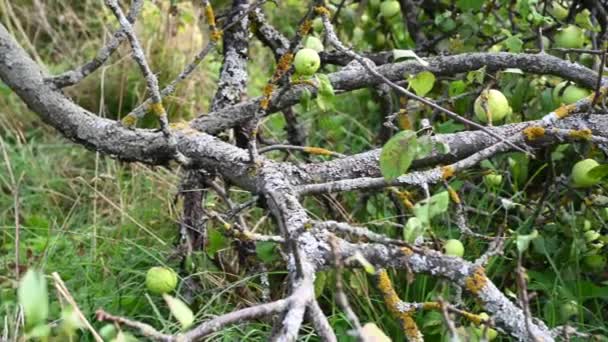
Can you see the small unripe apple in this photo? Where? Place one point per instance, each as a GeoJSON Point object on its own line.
{"type": "Point", "coordinates": [317, 25]}
{"type": "Point", "coordinates": [568, 309]}
{"type": "Point", "coordinates": [558, 11]}
{"type": "Point", "coordinates": [108, 332]}
{"type": "Point", "coordinates": [454, 247]}
{"type": "Point", "coordinates": [570, 37]}
{"type": "Point", "coordinates": [312, 42]}
{"type": "Point", "coordinates": [495, 48]}
{"type": "Point", "coordinates": [492, 180]}
{"type": "Point", "coordinates": [571, 94]}
{"type": "Point", "coordinates": [591, 235]}
{"type": "Point", "coordinates": [380, 39]}
{"type": "Point", "coordinates": [364, 18]}
{"type": "Point", "coordinates": [495, 103]}
{"type": "Point", "coordinates": [307, 62]}
{"type": "Point", "coordinates": [587, 59]}
{"type": "Point", "coordinates": [580, 174]}
{"type": "Point", "coordinates": [586, 225]}
{"type": "Point", "coordinates": [390, 8]}
{"type": "Point", "coordinates": [595, 262]}
{"type": "Point", "coordinates": [161, 280]}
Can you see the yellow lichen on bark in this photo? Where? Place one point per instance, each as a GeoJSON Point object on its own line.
{"type": "Point", "coordinates": [565, 110]}
{"type": "Point", "coordinates": [305, 27]}
{"type": "Point", "coordinates": [476, 282]}
{"type": "Point", "coordinates": [453, 195]}
{"type": "Point", "coordinates": [407, 251]}
{"type": "Point", "coordinates": [284, 64]}
{"type": "Point", "coordinates": [391, 299]}
{"type": "Point", "coordinates": [268, 88]}
{"type": "Point", "coordinates": [584, 134]}
{"type": "Point", "coordinates": [210, 15]}
{"type": "Point", "coordinates": [216, 35]}
{"type": "Point", "coordinates": [534, 132]}
{"type": "Point", "coordinates": [404, 196]}
{"type": "Point", "coordinates": [321, 10]}
{"type": "Point", "coordinates": [447, 171]}
{"type": "Point", "coordinates": [317, 150]}
{"type": "Point", "coordinates": [129, 121]}
{"type": "Point", "coordinates": [157, 109]}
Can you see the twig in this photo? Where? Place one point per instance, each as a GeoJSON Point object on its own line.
{"type": "Point", "coordinates": [66, 294]}
{"type": "Point", "coordinates": [307, 149]}
{"type": "Point", "coordinates": [340, 295]}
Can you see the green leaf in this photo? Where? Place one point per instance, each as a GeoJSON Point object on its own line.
{"type": "Point", "coordinates": [397, 154]}
{"type": "Point", "coordinates": [518, 162]}
{"type": "Point", "coordinates": [474, 5]}
{"type": "Point", "coordinates": [477, 76]}
{"type": "Point", "coordinates": [34, 298]}
{"type": "Point", "coordinates": [39, 331]}
{"type": "Point", "coordinates": [422, 83]}
{"type": "Point", "coordinates": [425, 147]}
{"type": "Point", "coordinates": [457, 88]}
{"type": "Point", "coordinates": [583, 19]}
{"type": "Point", "coordinates": [70, 321]}
{"type": "Point", "coordinates": [414, 228]}
{"type": "Point", "coordinates": [306, 100]}
{"type": "Point", "coordinates": [367, 266]}
{"type": "Point", "coordinates": [427, 209]}
{"type": "Point", "coordinates": [217, 241]}
{"type": "Point", "coordinates": [180, 311]}
{"type": "Point", "coordinates": [266, 251]}
{"type": "Point", "coordinates": [523, 241]}
{"type": "Point", "coordinates": [325, 95]}
{"type": "Point", "coordinates": [599, 171]}
{"type": "Point", "coordinates": [320, 281]}
{"type": "Point", "coordinates": [399, 54]}
{"type": "Point", "coordinates": [514, 44]}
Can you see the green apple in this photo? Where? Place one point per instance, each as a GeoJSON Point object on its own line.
{"type": "Point", "coordinates": [587, 59]}
{"type": "Point", "coordinates": [570, 37]}
{"type": "Point", "coordinates": [495, 103]}
{"type": "Point", "coordinates": [495, 48]}
{"type": "Point", "coordinates": [380, 39]}
{"type": "Point", "coordinates": [574, 93]}
{"type": "Point", "coordinates": [591, 235]}
{"type": "Point", "coordinates": [558, 11]}
{"type": "Point", "coordinates": [568, 309]}
{"type": "Point", "coordinates": [580, 174]}
{"type": "Point", "coordinates": [571, 94]}
{"type": "Point", "coordinates": [307, 62]}
{"type": "Point", "coordinates": [374, 3]}
{"type": "Point", "coordinates": [454, 247]}
{"type": "Point", "coordinates": [586, 225]}
{"type": "Point", "coordinates": [492, 180]}
{"type": "Point", "coordinates": [317, 25]}
{"type": "Point", "coordinates": [161, 280]}
{"type": "Point", "coordinates": [595, 262]}
{"type": "Point", "coordinates": [312, 42]}
{"type": "Point", "coordinates": [390, 8]}
{"type": "Point", "coordinates": [108, 332]}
